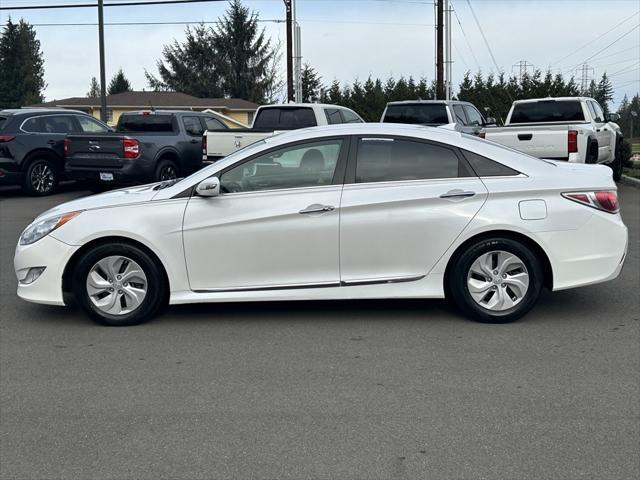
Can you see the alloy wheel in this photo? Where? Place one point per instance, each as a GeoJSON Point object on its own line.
{"type": "Point", "coordinates": [42, 178]}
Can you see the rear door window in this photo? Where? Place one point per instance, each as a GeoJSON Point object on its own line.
{"type": "Point", "coordinates": [418, 114]}
{"type": "Point", "coordinates": [32, 125]}
{"type": "Point", "coordinates": [58, 124]}
{"type": "Point", "coordinates": [333, 116]}
{"type": "Point", "coordinates": [547, 111]}
{"type": "Point", "coordinates": [459, 113]}
{"type": "Point", "coordinates": [349, 117]}
{"type": "Point", "coordinates": [193, 126]}
{"type": "Point", "coordinates": [473, 115]}
{"type": "Point", "coordinates": [214, 124]}
{"type": "Point", "coordinates": [599, 114]}
{"type": "Point", "coordinates": [146, 123]}
{"type": "Point", "coordinates": [390, 159]}
{"type": "Point", "coordinates": [89, 125]}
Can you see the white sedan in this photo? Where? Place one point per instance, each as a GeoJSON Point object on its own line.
{"type": "Point", "coordinates": [338, 212]}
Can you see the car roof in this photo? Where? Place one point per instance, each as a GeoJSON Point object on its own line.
{"type": "Point", "coordinates": [164, 112]}
{"type": "Point", "coordinates": [426, 102]}
{"type": "Point", "coordinates": [39, 111]}
{"type": "Point", "coordinates": [553, 99]}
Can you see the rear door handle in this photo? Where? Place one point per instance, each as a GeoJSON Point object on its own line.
{"type": "Point", "coordinates": [458, 194]}
{"type": "Point", "coordinates": [317, 208]}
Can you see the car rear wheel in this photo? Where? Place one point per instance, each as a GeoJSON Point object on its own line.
{"type": "Point", "coordinates": [119, 284]}
{"type": "Point", "coordinates": [166, 170]}
{"type": "Point", "coordinates": [617, 165]}
{"type": "Point", "coordinates": [496, 280]}
{"type": "Point", "coordinates": [41, 178]}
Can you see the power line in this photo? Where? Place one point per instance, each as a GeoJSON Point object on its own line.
{"type": "Point", "coordinates": [113, 4]}
{"type": "Point", "coordinates": [606, 47]}
{"type": "Point", "coordinates": [595, 39]}
{"type": "Point", "coordinates": [627, 69]}
{"type": "Point", "coordinates": [211, 22]}
{"type": "Point", "coordinates": [486, 42]}
{"type": "Point", "coordinates": [466, 39]}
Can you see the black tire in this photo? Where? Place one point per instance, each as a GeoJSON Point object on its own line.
{"type": "Point", "coordinates": [156, 293]}
{"type": "Point", "coordinates": [617, 165]}
{"type": "Point", "coordinates": [458, 289]}
{"type": "Point", "coordinates": [41, 177]}
{"type": "Point", "coordinates": [166, 170]}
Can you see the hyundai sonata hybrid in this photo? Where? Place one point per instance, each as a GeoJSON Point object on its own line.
{"type": "Point", "coordinates": [338, 212]}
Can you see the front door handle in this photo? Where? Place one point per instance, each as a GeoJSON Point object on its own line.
{"type": "Point", "coordinates": [458, 194]}
{"type": "Point", "coordinates": [317, 208]}
{"type": "Point", "coordinates": [52, 142]}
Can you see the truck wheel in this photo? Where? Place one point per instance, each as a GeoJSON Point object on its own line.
{"type": "Point", "coordinates": [166, 170]}
{"type": "Point", "coordinates": [617, 165]}
{"type": "Point", "coordinates": [41, 178]}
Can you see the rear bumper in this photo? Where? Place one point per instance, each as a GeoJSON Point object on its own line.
{"type": "Point", "coordinates": [10, 173]}
{"type": "Point", "coordinates": [594, 253]}
{"type": "Point", "coordinates": [131, 171]}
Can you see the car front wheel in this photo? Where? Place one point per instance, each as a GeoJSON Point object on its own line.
{"type": "Point", "coordinates": [496, 280]}
{"type": "Point", "coordinates": [119, 284]}
{"type": "Point", "coordinates": [41, 178]}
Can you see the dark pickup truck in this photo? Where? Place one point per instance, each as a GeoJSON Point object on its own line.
{"type": "Point", "coordinates": [146, 146]}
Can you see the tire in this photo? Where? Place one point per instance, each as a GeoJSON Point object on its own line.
{"type": "Point", "coordinates": [119, 284]}
{"type": "Point", "coordinates": [617, 165]}
{"type": "Point", "coordinates": [166, 170]}
{"type": "Point", "coordinates": [471, 282]}
{"type": "Point", "coordinates": [41, 178]}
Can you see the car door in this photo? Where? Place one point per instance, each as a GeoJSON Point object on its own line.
{"type": "Point", "coordinates": [275, 223]}
{"type": "Point", "coordinates": [406, 203]}
{"type": "Point", "coordinates": [603, 132]}
{"type": "Point", "coordinates": [53, 130]}
{"type": "Point", "coordinates": [191, 145]}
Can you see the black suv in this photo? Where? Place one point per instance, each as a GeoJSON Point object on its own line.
{"type": "Point", "coordinates": [32, 145]}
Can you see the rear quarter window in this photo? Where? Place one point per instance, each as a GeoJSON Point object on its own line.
{"type": "Point", "coordinates": [485, 167]}
{"type": "Point", "coordinates": [547, 111]}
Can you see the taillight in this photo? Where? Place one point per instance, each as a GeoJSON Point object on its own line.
{"type": "Point", "coordinates": [572, 141]}
{"type": "Point", "coordinates": [66, 147]}
{"type": "Point", "coordinates": [482, 134]}
{"type": "Point", "coordinates": [131, 147]}
{"type": "Point", "coordinates": [607, 201]}
{"type": "Point", "coordinates": [7, 138]}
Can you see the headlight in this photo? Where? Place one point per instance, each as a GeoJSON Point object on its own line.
{"type": "Point", "coordinates": [36, 231]}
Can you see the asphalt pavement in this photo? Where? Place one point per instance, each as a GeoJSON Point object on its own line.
{"type": "Point", "coordinates": [326, 390]}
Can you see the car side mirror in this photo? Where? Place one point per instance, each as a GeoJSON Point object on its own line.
{"type": "Point", "coordinates": [613, 117]}
{"type": "Point", "coordinates": [490, 121]}
{"type": "Point", "coordinates": [209, 187]}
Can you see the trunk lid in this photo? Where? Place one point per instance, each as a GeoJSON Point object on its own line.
{"type": "Point", "coordinates": [95, 150]}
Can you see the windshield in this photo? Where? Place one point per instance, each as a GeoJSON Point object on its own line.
{"type": "Point", "coordinates": [417, 114]}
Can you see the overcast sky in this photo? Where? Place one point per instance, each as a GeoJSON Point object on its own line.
{"type": "Point", "coordinates": [348, 39]}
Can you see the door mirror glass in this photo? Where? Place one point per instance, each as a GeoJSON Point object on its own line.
{"type": "Point", "coordinates": [613, 117]}
{"type": "Point", "coordinates": [490, 121]}
{"type": "Point", "coordinates": [209, 187]}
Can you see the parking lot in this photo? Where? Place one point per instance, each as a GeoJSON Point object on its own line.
{"type": "Point", "coordinates": [375, 389]}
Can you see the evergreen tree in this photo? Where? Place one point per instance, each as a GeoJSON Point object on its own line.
{"type": "Point", "coordinates": [190, 67]}
{"type": "Point", "coordinates": [21, 66]}
{"type": "Point", "coordinates": [311, 84]}
{"type": "Point", "coordinates": [243, 54]}
{"type": "Point", "coordinates": [604, 93]}
{"type": "Point", "coordinates": [118, 84]}
{"type": "Point", "coordinates": [94, 88]}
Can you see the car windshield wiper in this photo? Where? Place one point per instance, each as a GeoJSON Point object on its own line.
{"type": "Point", "coordinates": [167, 183]}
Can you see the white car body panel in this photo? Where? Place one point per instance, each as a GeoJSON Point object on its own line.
{"type": "Point", "coordinates": [209, 246]}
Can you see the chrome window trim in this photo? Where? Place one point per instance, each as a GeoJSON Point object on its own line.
{"type": "Point", "coordinates": [51, 115]}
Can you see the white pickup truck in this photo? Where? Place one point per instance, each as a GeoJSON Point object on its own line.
{"type": "Point", "coordinates": [573, 129]}
{"type": "Point", "coordinates": [271, 120]}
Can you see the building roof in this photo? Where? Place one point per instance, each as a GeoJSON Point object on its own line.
{"type": "Point", "coordinates": [171, 100]}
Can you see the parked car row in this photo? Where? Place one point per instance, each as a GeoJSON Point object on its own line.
{"type": "Point", "coordinates": [39, 147]}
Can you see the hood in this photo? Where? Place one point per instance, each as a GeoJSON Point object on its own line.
{"type": "Point", "coordinates": [123, 196]}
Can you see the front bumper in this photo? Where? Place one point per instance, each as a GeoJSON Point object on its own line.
{"type": "Point", "coordinates": [46, 252]}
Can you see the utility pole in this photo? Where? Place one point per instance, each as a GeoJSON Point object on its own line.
{"type": "Point", "coordinates": [440, 95]}
{"type": "Point", "coordinates": [103, 76]}
{"type": "Point", "coordinates": [448, 62]}
{"type": "Point", "coordinates": [523, 66]}
{"type": "Point", "coordinates": [298, 64]}
{"type": "Point", "coordinates": [290, 90]}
